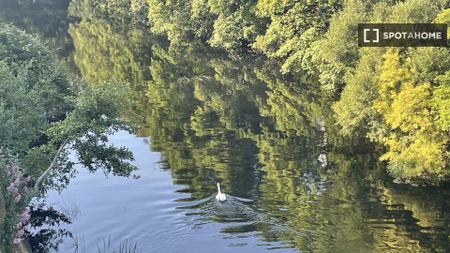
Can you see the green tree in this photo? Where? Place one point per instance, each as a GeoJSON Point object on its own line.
{"type": "Point", "coordinates": [34, 92]}
{"type": "Point", "coordinates": [441, 102]}
{"type": "Point", "coordinates": [395, 97]}
{"type": "Point", "coordinates": [293, 26]}
{"type": "Point", "coordinates": [41, 114]}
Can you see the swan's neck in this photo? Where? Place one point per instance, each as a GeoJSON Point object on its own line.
{"type": "Point", "coordinates": [218, 188]}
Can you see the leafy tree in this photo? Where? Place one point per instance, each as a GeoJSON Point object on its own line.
{"type": "Point", "coordinates": [172, 18]}
{"type": "Point", "coordinates": [396, 97]}
{"type": "Point", "coordinates": [236, 24]}
{"type": "Point", "coordinates": [293, 26]}
{"type": "Point", "coordinates": [354, 111]}
{"type": "Point", "coordinates": [441, 102]}
{"type": "Point", "coordinates": [226, 24]}
{"type": "Point", "coordinates": [34, 91]}
{"type": "Point", "coordinates": [336, 53]}
{"type": "Point", "coordinates": [99, 111]}
{"type": "Point", "coordinates": [416, 148]}
{"type": "Point", "coordinates": [42, 114]}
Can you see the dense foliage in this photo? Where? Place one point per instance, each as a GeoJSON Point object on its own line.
{"type": "Point", "coordinates": [41, 113]}
{"type": "Point", "coordinates": [33, 95]}
{"type": "Point", "coordinates": [397, 98]}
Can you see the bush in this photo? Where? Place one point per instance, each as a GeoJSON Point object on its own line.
{"type": "Point", "coordinates": [34, 93]}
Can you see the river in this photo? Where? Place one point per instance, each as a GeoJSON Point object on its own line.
{"type": "Point", "coordinates": [293, 184]}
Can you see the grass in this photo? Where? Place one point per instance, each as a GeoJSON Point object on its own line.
{"type": "Point", "coordinates": [126, 246]}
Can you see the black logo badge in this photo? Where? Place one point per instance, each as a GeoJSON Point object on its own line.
{"type": "Point", "coordinates": [402, 35]}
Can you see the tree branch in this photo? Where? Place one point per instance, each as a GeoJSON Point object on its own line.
{"type": "Point", "coordinates": [41, 178]}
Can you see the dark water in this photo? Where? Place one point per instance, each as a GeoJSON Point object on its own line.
{"type": "Point", "coordinates": [293, 184]}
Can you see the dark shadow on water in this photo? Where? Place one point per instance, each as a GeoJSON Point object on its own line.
{"type": "Point", "coordinates": [47, 230]}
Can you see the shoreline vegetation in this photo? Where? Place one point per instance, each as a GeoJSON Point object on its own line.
{"type": "Point", "coordinates": [42, 117]}
{"type": "Point", "coordinates": [395, 98]}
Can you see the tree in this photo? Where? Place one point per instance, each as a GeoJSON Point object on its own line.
{"type": "Point", "coordinates": [441, 102]}
{"type": "Point", "coordinates": [293, 26]}
{"type": "Point", "coordinates": [34, 92]}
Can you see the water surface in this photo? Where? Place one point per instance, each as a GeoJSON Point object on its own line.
{"type": "Point", "coordinates": [150, 212]}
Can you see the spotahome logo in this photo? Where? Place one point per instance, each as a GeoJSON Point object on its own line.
{"type": "Point", "coordinates": [402, 35]}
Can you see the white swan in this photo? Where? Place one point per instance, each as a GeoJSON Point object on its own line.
{"type": "Point", "coordinates": [220, 196]}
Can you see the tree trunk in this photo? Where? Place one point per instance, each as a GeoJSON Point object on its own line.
{"type": "Point", "coordinates": [41, 178]}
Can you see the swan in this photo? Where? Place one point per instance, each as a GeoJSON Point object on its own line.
{"type": "Point", "coordinates": [220, 196]}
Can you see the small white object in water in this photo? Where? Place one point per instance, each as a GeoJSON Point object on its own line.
{"type": "Point", "coordinates": [323, 160]}
{"type": "Point", "coordinates": [220, 196]}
